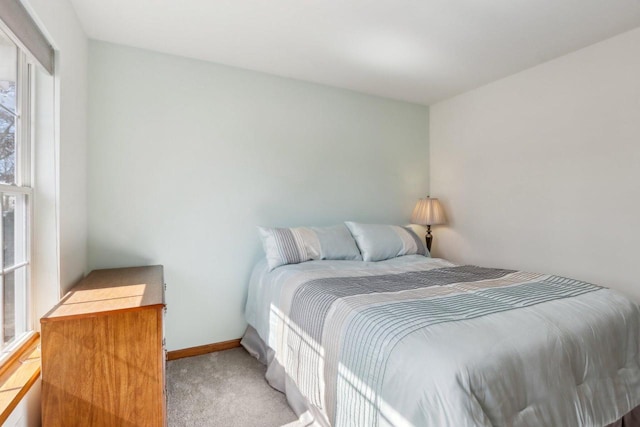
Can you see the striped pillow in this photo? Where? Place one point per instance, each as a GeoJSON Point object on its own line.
{"type": "Point", "coordinates": [379, 242]}
{"type": "Point", "coordinates": [295, 245]}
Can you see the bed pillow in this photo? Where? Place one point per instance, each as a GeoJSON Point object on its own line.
{"type": "Point", "coordinates": [336, 242]}
{"type": "Point", "coordinates": [299, 244]}
{"type": "Point", "coordinates": [378, 242]}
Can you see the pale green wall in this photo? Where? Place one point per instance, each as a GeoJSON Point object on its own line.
{"type": "Point", "coordinates": [187, 157]}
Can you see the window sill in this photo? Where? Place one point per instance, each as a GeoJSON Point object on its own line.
{"type": "Point", "coordinates": [18, 374]}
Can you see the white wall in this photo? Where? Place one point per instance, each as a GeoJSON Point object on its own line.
{"type": "Point", "coordinates": [59, 22]}
{"type": "Point", "coordinates": [541, 170]}
{"type": "Point", "coordinates": [28, 412]}
{"type": "Point", "coordinates": [187, 157]}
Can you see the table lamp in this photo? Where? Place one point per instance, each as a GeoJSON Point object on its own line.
{"type": "Point", "coordinates": [428, 212]}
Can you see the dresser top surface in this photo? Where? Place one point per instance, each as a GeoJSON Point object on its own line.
{"type": "Point", "coordinates": [114, 289]}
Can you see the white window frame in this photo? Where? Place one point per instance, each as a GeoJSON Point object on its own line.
{"type": "Point", "coordinates": [22, 188]}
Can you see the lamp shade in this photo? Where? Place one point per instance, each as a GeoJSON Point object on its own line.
{"type": "Point", "coordinates": [428, 212]}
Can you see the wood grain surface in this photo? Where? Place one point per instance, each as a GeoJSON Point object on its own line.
{"type": "Point", "coordinates": [117, 289]}
{"type": "Point", "coordinates": [106, 368]}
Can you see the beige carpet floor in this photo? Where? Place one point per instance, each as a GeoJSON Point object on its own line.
{"type": "Point", "coordinates": [226, 388]}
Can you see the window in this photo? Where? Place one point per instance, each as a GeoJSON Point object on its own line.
{"type": "Point", "coordinates": [15, 193]}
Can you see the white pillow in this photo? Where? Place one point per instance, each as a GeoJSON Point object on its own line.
{"type": "Point", "coordinates": [378, 242]}
{"type": "Point", "coordinates": [299, 244]}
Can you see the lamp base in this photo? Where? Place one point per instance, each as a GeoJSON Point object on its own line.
{"type": "Point", "coordinates": [428, 238]}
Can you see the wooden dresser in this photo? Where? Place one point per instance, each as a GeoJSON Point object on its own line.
{"type": "Point", "coordinates": [103, 356]}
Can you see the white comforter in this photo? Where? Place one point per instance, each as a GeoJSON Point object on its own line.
{"type": "Point", "coordinates": [416, 341]}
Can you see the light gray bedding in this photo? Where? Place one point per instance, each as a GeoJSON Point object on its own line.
{"type": "Point", "coordinates": [416, 341]}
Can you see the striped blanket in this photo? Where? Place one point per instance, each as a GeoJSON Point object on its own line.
{"type": "Point", "coordinates": [419, 341]}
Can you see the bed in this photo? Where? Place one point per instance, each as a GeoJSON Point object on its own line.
{"type": "Point", "coordinates": [419, 341]}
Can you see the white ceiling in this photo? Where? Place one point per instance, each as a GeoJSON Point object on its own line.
{"type": "Point", "coordinates": [415, 50]}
